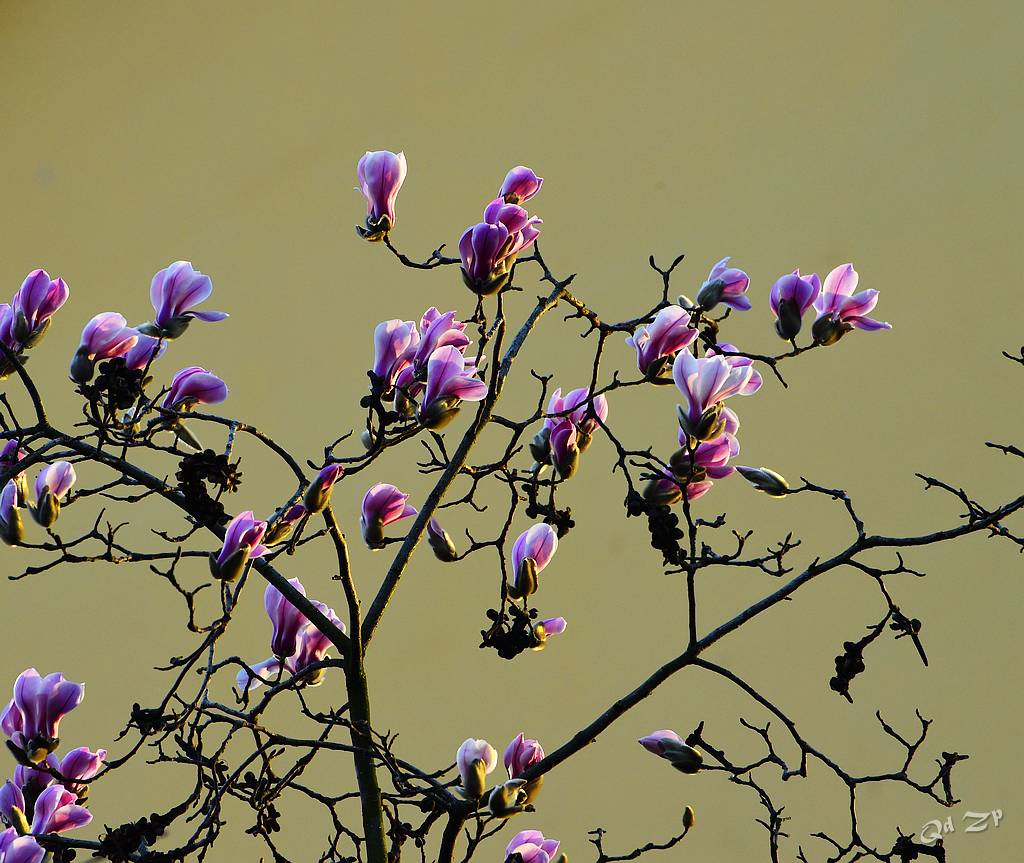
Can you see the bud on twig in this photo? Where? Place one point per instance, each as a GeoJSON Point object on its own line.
{"type": "Point", "coordinates": [763, 479]}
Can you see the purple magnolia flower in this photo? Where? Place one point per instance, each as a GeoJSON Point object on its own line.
{"type": "Point", "coordinates": [840, 309]}
{"type": "Point", "coordinates": [520, 185]}
{"type": "Point", "coordinates": [475, 759]}
{"type": "Point", "coordinates": [194, 385]}
{"type": "Point", "coordinates": [670, 746]}
{"type": "Point", "coordinates": [564, 444]}
{"type": "Point", "coordinates": [790, 298]}
{"type": "Point", "coordinates": [175, 292]}
{"type": "Point", "coordinates": [544, 629]}
{"type": "Point", "coordinates": [438, 331]}
{"type": "Point", "coordinates": [35, 303]}
{"type": "Point", "coordinates": [283, 527]}
{"type": "Point", "coordinates": [32, 718]}
{"type": "Point", "coordinates": [56, 810]}
{"type": "Point", "coordinates": [286, 619]}
{"type": "Point", "coordinates": [724, 349]}
{"type": "Point", "coordinates": [656, 343]}
{"type": "Point", "coordinates": [578, 404]}
{"type": "Point", "coordinates": [7, 318]}
{"type": "Point", "coordinates": [105, 336]}
{"type": "Point", "coordinates": [383, 504]}
{"type": "Point", "coordinates": [726, 285]}
{"type": "Point", "coordinates": [241, 543]}
{"type": "Point", "coordinates": [532, 847]}
{"type": "Point", "coordinates": [144, 352]}
{"type": "Point", "coordinates": [705, 383]}
{"type": "Point", "coordinates": [10, 456]}
{"type": "Point", "coordinates": [15, 848]}
{"type": "Point", "coordinates": [381, 174]}
{"type": "Point", "coordinates": [53, 482]}
{"type": "Point", "coordinates": [440, 542]}
{"type": "Point", "coordinates": [12, 529]}
{"type": "Point", "coordinates": [531, 553]}
{"type": "Point", "coordinates": [318, 495]}
{"type": "Point", "coordinates": [521, 753]}
{"type": "Point", "coordinates": [79, 766]}
{"type": "Point", "coordinates": [394, 346]}
{"type": "Point", "coordinates": [449, 383]}
{"type": "Point", "coordinates": [482, 250]}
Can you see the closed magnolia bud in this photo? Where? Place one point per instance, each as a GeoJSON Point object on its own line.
{"type": "Point", "coordinates": [689, 818]}
{"type": "Point", "coordinates": [507, 799]}
{"type": "Point", "coordinates": [474, 779]}
{"type": "Point", "coordinates": [232, 566]}
{"type": "Point", "coordinates": [789, 321]}
{"type": "Point", "coordinates": [47, 509]}
{"type": "Point", "coordinates": [318, 495]}
{"type": "Point", "coordinates": [684, 301]}
{"type": "Point", "coordinates": [82, 367]}
{"type": "Point", "coordinates": [440, 542]}
{"type": "Point", "coordinates": [366, 439]}
{"type": "Point", "coordinates": [540, 447]}
{"type": "Point", "coordinates": [685, 758]}
{"type": "Point", "coordinates": [763, 479]}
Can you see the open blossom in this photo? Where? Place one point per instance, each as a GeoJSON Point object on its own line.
{"type": "Point", "coordinates": [383, 504]}
{"type": "Point", "coordinates": [242, 540]}
{"type": "Point", "coordinates": [449, 383]}
{"type": "Point", "coordinates": [145, 351]}
{"type": "Point", "coordinates": [655, 343]}
{"type": "Point", "coordinates": [32, 718]}
{"type": "Point", "coordinates": [576, 406]}
{"type": "Point", "coordinates": [195, 385]}
{"type": "Point", "coordinates": [175, 292]}
{"type": "Point", "coordinates": [532, 847]}
{"type": "Point", "coordinates": [381, 174]}
{"type": "Point", "coordinates": [286, 619]}
{"type": "Point", "coordinates": [522, 228]}
{"type": "Point", "coordinates": [106, 336]}
{"type": "Point", "coordinates": [394, 346]}
{"type": "Point", "coordinates": [15, 848]}
{"type": "Point", "coordinates": [531, 553]}
{"type": "Point", "coordinates": [725, 350]}
{"type": "Point", "coordinates": [520, 185]}
{"type": "Point", "coordinates": [34, 304]}
{"type": "Point", "coordinates": [705, 383]}
{"type": "Point", "coordinates": [840, 309]}
{"type": "Point", "coordinates": [790, 298]}
{"type": "Point", "coordinates": [475, 759]}
{"type": "Point", "coordinates": [56, 810]}
{"type": "Point", "coordinates": [726, 285]}
{"type": "Point", "coordinates": [438, 331]}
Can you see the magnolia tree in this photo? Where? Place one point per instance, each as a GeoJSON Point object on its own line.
{"type": "Point", "coordinates": [438, 382]}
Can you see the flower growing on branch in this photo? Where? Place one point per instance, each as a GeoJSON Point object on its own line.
{"type": "Point", "coordinates": [705, 383]}
{"type": "Point", "coordinates": [658, 342]}
{"type": "Point", "coordinates": [726, 285]}
{"type": "Point", "coordinates": [475, 760]}
{"type": "Point", "coordinates": [318, 495]}
{"type": "Point", "coordinates": [531, 553]}
{"type": "Point", "coordinates": [449, 383]}
{"type": "Point", "coordinates": [53, 482]}
{"type": "Point", "coordinates": [520, 185]}
{"type": "Point", "coordinates": [440, 542]}
{"type": "Point", "coordinates": [193, 386]}
{"type": "Point", "coordinates": [241, 543]}
{"type": "Point", "coordinates": [33, 306]}
{"type": "Point", "coordinates": [530, 846]}
{"type": "Point", "coordinates": [12, 528]}
{"type": "Point", "coordinates": [175, 292]}
{"type": "Point", "coordinates": [107, 335]}
{"type": "Point", "coordinates": [381, 174]}
{"type": "Point", "coordinates": [670, 746]}
{"type": "Point", "coordinates": [790, 298]}
{"type": "Point", "coordinates": [841, 310]}
{"type": "Point", "coordinates": [32, 718]}
{"type": "Point", "coordinates": [383, 504]}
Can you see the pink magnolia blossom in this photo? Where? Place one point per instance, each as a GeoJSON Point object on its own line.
{"type": "Point", "coordinates": [175, 291]}
{"type": "Point", "coordinates": [195, 385]}
{"type": "Point", "coordinates": [449, 383]}
{"type": "Point", "coordinates": [394, 346]}
{"type": "Point", "coordinates": [790, 298]}
{"type": "Point", "coordinates": [531, 847]}
{"type": "Point", "coordinates": [482, 251]}
{"type": "Point", "coordinates": [520, 185]}
{"type": "Point", "coordinates": [705, 383]}
{"type": "Point", "coordinates": [104, 337]}
{"type": "Point", "coordinates": [242, 540]}
{"type": "Point", "coordinates": [383, 504]}
{"type": "Point", "coordinates": [521, 753]}
{"type": "Point", "coordinates": [531, 553]}
{"type": "Point", "coordinates": [475, 759]}
{"type": "Point", "coordinates": [56, 810]}
{"type": "Point", "coordinates": [437, 331]}
{"type": "Point", "coordinates": [318, 495]}
{"type": "Point", "coordinates": [145, 351]}
{"type": "Point", "coordinates": [32, 718]}
{"type": "Point", "coordinates": [37, 300]}
{"type": "Point", "coordinates": [57, 479]}
{"type": "Point", "coordinates": [840, 309]}
{"type": "Point", "coordinates": [726, 285]}
{"type": "Point", "coordinates": [381, 174]}
{"type": "Point", "coordinates": [670, 746]}
{"type": "Point", "coordinates": [286, 619]}
{"type": "Point", "coordinates": [15, 848]}
{"type": "Point", "coordinates": [656, 343]}
{"type": "Point", "coordinates": [725, 350]}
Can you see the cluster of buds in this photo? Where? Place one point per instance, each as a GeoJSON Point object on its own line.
{"type": "Point", "coordinates": [26, 318]}
{"type": "Point", "coordinates": [53, 482]}
{"type": "Point", "coordinates": [670, 746]}
{"type": "Point", "coordinates": [568, 430]}
{"type": "Point", "coordinates": [46, 794]}
{"type": "Point", "coordinates": [424, 369]}
{"type": "Point", "coordinates": [476, 759]}
{"type": "Point", "coordinates": [296, 643]}
{"type": "Point", "coordinates": [489, 248]}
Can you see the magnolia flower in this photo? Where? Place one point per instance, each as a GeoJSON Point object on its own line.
{"type": "Point", "coordinates": [790, 298]}
{"type": "Point", "coordinates": [449, 383]}
{"type": "Point", "coordinates": [78, 767]}
{"type": "Point", "coordinates": [286, 619]}
{"type": "Point", "coordinates": [241, 543]}
{"type": "Point", "coordinates": [726, 351]}
{"type": "Point", "coordinates": [32, 718]}
{"type": "Point", "coordinates": [56, 810]}
{"type": "Point", "coordinates": [726, 285]}
{"type": "Point", "coordinates": [475, 759]}
{"type": "Point", "coordinates": [481, 249]}
{"type": "Point", "coordinates": [311, 647]}
{"type": "Point", "coordinates": [383, 504]}
{"type": "Point", "coordinates": [531, 847]}
{"type": "Point", "coordinates": [394, 345]}
{"type": "Point", "coordinates": [381, 174]}
{"type": "Point", "coordinates": [705, 383]}
{"type": "Point", "coordinates": [144, 352]}
{"type": "Point", "coordinates": [194, 385]}
{"type": "Point", "coordinates": [521, 753]}
{"type": "Point", "coordinates": [531, 553]}
{"type": "Point", "coordinates": [282, 528]}
{"type": "Point", "coordinates": [670, 746]}
{"type": "Point", "coordinates": [105, 336]}
{"type": "Point", "coordinates": [763, 479]}
{"type": "Point", "coordinates": [437, 331]}
{"type": "Point", "coordinates": [440, 542]}
{"type": "Point", "coordinates": [656, 343]}
{"type": "Point", "coordinates": [840, 309]}
{"type": "Point", "coordinates": [53, 482]}
{"type": "Point", "coordinates": [12, 528]}
{"type": "Point", "coordinates": [564, 442]}
{"type": "Point", "coordinates": [35, 303]}
{"type": "Point", "coordinates": [175, 292]}
{"type": "Point", "coordinates": [15, 848]}
{"type": "Point", "coordinates": [520, 185]}
{"type": "Point", "coordinates": [318, 495]}
{"type": "Point", "coordinates": [576, 406]}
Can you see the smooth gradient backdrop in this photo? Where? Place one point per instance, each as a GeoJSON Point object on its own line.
{"type": "Point", "coordinates": [783, 134]}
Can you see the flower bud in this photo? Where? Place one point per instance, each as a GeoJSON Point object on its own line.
{"type": "Point", "coordinates": [663, 491]}
{"type": "Point", "coordinates": [763, 479]}
{"type": "Point", "coordinates": [565, 451]}
{"type": "Point", "coordinates": [47, 509]}
{"type": "Point", "coordinates": [507, 799]}
{"type": "Point", "coordinates": [231, 567]}
{"type": "Point", "coordinates": [524, 581]}
{"type": "Point", "coordinates": [475, 759]}
{"type": "Point", "coordinates": [540, 446]}
{"type": "Point", "coordinates": [318, 495]}
{"type": "Point", "coordinates": [710, 294]}
{"type": "Point", "coordinates": [440, 542]}
{"type": "Point", "coordinates": [12, 530]}
{"type": "Point", "coordinates": [685, 759]}
{"type": "Point", "coordinates": [366, 439]}
{"type": "Point", "coordinates": [689, 818]}
{"type": "Point", "coordinates": [82, 367]}
{"type": "Point", "coordinates": [282, 528]}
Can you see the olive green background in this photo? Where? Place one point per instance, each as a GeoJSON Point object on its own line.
{"type": "Point", "coordinates": [784, 134]}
